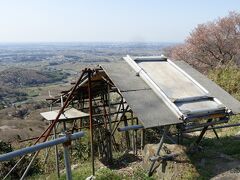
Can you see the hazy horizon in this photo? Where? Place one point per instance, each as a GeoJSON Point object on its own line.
{"type": "Point", "coordinates": [90, 42]}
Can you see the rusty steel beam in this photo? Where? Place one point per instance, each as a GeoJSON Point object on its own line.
{"type": "Point", "coordinates": [91, 119]}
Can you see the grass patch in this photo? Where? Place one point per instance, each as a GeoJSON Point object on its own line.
{"type": "Point", "coordinates": [228, 78]}
{"type": "Point", "coordinates": [107, 174]}
{"type": "Point", "coordinates": [33, 93]}
{"type": "Point", "coordinates": [140, 174]}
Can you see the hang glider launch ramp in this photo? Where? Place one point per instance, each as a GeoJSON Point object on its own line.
{"type": "Point", "coordinates": [162, 92]}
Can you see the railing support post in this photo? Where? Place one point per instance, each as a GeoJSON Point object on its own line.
{"type": "Point", "coordinates": [67, 159]}
{"type": "Point", "coordinates": [166, 128]}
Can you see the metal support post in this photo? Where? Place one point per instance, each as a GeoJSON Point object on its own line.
{"type": "Point", "coordinates": [142, 139]}
{"type": "Point", "coordinates": [46, 155]}
{"type": "Point", "coordinates": [91, 120]}
{"type": "Point", "coordinates": [110, 125]}
{"type": "Point", "coordinates": [179, 134]}
{"type": "Point", "coordinates": [126, 133]}
{"type": "Point", "coordinates": [56, 153]}
{"type": "Point", "coordinates": [47, 150]}
{"type": "Point", "coordinates": [119, 121]}
{"type": "Point", "coordinates": [215, 132]}
{"type": "Point", "coordinates": [135, 141]}
{"type": "Point", "coordinates": [135, 133]}
{"type": "Point", "coordinates": [67, 160]}
{"type": "Point", "coordinates": [202, 133]}
{"type": "Point", "coordinates": [120, 105]}
{"type": "Point", "coordinates": [166, 128]}
{"type": "Point", "coordinates": [64, 126]}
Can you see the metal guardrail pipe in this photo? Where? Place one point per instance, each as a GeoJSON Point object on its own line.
{"type": "Point", "coordinates": [205, 124]}
{"type": "Point", "coordinates": [214, 127]}
{"type": "Point", "coordinates": [128, 128]}
{"type": "Point", "coordinates": [37, 147]}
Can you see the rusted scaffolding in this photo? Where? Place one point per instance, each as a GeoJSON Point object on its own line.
{"type": "Point", "coordinates": [91, 94]}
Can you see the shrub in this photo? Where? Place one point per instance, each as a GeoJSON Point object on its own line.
{"type": "Point", "coordinates": [7, 165]}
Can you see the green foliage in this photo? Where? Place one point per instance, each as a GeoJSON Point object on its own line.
{"type": "Point", "coordinates": [33, 93]}
{"type": "Point", "coordinates": [226, 145]}
{"type": "Point", "coordinates": [104, 173]}
{"type": "Point", "coordinates": [80, 150]}
{"type": "Point", "coordinates": [213, 148]}
{"type": "Point", "coordinates": [228, 78]}
{"type": "Point", "coordinates": [56, 75]}
{"type": "Point", "coordinates": [141, 174]}
{"type": "Point", "coordinates": [80, 174]}
{"type": "Point", "coordinates": [11, 95]}
{"type": "Point", "coordinates": [5, 147]}
{"type": "Point", "coordinates": [7, 165]}
{"type": "Point", "coordinates": [107, 174]}
{"type": "Point", "coordinates": [1, 106]}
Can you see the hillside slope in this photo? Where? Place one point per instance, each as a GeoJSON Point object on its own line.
{"type": "Point", "coordinates": [13, 82]}
{"type": "Point", "coordinates": [18, 77]}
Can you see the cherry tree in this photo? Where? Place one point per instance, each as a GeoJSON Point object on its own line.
{"type": "Point", "coordinates": [212, 44]}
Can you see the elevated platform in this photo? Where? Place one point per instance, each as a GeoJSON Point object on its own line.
{"type": "Point", "coordinates": [69, 114]}
{"type": "Point", "coordinates": [162, 92]}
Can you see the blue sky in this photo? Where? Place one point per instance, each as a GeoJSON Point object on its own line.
{"type": "Point", "coordinates": [105, 20]}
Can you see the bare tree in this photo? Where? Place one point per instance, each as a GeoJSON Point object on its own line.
{"type": "Point", "coordinates": [211, 44]}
